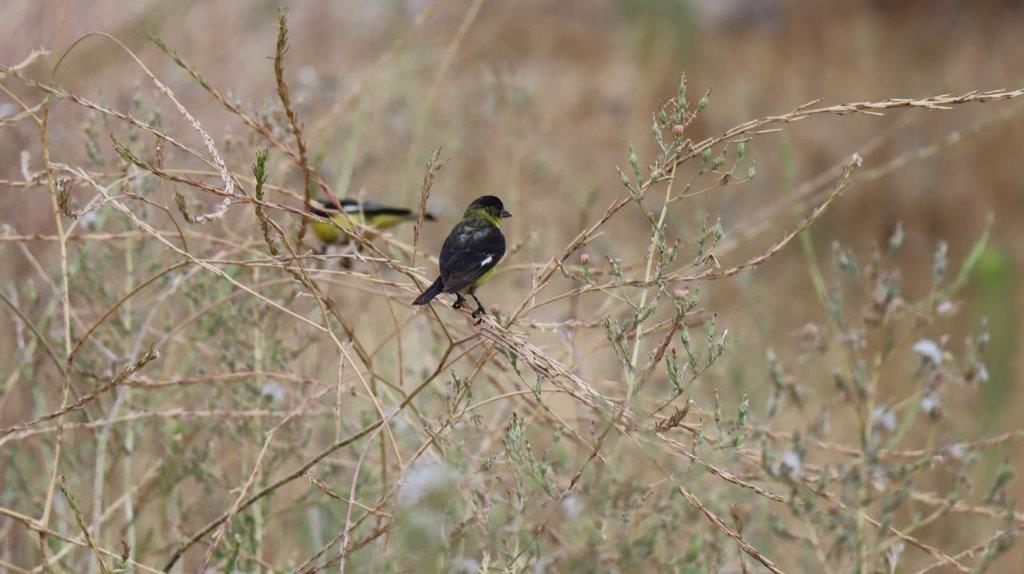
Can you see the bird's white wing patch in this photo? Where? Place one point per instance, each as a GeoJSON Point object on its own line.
{"type": "Point", "coordinates": [486, 261]}
{"type": "Point", "coordinates": [352, 208]}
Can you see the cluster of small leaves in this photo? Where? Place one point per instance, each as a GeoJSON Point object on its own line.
{"type": "Point", "coordinates": [708, 240]}
{"type": "Point", "coordinates": [520, 454]}
{"type": "Point", "coordinates": [686, 302]}
{"type": "Point", "coordinates": [673, 117]}
{"type": "Point", "coordinates": [259, 174]}
{"type": "Point", "coordinates": [888, 332]}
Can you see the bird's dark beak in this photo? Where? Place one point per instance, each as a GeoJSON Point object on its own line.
{"type": "Point", "coordinates": [505, 213]}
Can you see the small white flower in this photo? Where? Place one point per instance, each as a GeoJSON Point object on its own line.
{"type": "Point", "coordinates": [790, 464]}
{"type": "Point", "coordinates": [26, 165]}
{"type": "Point", "coordinates": [981, 374]}
{"type": "Point", "coordinates": [957, 451]}
{"type": "Point", "coordinates": [424, 482]}
{"type": "Point", "coordinates": [930, 404]}
{"type": "Point", "coordinates": [272, 391]}
{"type": "Point", "coordinates": [885, 419]}
{"type": "Point", "coordinates": [90, 219]}
{"type": "Point", "coordinates": [929, 350]}
{"type": "Point", "coordinates": [465, 564]}
{"type": "Point", "coordinates": [572, 507]}
{"type": "Point", "coordinates": [879, 480]}
{"type": "Point", "coordinates": [307, 75]}
{"type": "Point", "coordinates": [946, 308]}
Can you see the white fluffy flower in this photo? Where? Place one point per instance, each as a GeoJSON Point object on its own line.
{"type": "Point", "coordinates": [929, 351]}
{"type": "Point", "coordinates": [425, 482]}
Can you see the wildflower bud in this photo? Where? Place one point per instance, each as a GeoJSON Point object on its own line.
{"type": "Point", "coordinates": [678, 129]}
{"type": "Point", "coordinates": [585, 259]}
{"type": "Point", "coordinates": [681, 293]}
{"type": "Point", "coordinates": [495, 310]}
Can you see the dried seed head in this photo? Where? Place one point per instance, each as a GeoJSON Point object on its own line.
{"type": "Point", "coordinates": [678, 129]}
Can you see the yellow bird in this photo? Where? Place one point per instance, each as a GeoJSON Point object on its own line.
{"type": "Point", "coordinates": [375, 216]}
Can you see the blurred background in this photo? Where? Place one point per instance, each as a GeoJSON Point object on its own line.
{"type": "Point", "coordinates": [538, 101]}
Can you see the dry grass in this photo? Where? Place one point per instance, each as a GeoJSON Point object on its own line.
{"type": "Point", "coordinates": [734, 355]}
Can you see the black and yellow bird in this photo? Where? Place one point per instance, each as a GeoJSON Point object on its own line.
{"type": "Point", "coordinates": [470, 253]}
{"type": "Point", "coordinates": [353, 213]}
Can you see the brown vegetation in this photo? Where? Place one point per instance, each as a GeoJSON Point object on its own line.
{"type": "Point", "coordinates": [783, 336]}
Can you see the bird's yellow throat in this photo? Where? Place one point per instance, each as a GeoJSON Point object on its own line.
{"type": "Point", "coordinates": [481, 212]}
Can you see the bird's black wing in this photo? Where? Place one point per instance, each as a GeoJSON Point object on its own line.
{"type": "Point", "coordinates": [472, 249]}
{"type": "Point", "coordinates": [372, 208]}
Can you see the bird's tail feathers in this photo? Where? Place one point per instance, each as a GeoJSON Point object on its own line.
{"type": "Point", "coordinates": [428, 295]}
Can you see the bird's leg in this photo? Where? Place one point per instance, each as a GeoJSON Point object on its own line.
{"type": "Point", "coordinates": [346, 256]}
{"type": "Point", "coordinates": [459, 301]}
{"type": "Point", "coordinates": [357, 251]}
{"type": "Point", "coordinates": [321, 251]}
{"type": "Point", "coordinates": [479, 308]}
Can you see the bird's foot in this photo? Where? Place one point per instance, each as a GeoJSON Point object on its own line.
{"type": "Point", "coordinates": [480, 311]}
{"type": "Point", "coordinates": [478, 314]}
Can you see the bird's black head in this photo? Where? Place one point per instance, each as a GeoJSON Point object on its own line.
{"type": "Point", "coordinates": [488, 206]}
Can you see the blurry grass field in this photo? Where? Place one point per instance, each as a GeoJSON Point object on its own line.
{"type": "Point", "coordinates": [785, 345]}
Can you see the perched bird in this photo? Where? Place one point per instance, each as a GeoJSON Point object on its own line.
{"type": "Point", "coordinates": [375, 216]}
{"type": "Point", "coordinates": [470, 253]}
